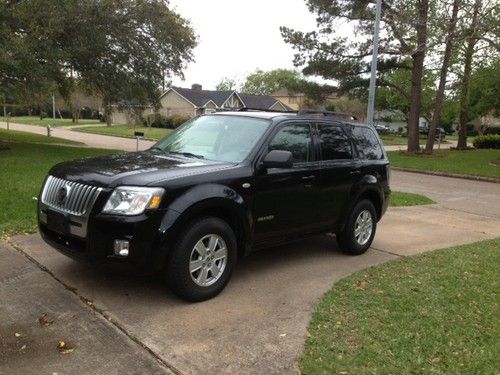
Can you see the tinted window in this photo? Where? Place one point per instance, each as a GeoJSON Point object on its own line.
{"type": "Point", "coordinates": [334, 143]}
{"type": "Point", "coordinates": [367, 143]}
{"type": "Point", "coordinates": [296, 139]}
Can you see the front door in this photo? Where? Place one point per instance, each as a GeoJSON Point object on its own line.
{"type": "Point", "coordinates": [285, 198]}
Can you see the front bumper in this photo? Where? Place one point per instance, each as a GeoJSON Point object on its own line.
{"type": "Point", "coordinates": [147, 252]}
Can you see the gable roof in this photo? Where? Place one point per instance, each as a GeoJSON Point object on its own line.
{"type": "Point", "coordinates": [200, 98]}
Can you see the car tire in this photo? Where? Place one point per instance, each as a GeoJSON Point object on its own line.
{"type": "Point", "coordinates": [201, 244]}
{"type": "Point", "coordinates": [360, 229]}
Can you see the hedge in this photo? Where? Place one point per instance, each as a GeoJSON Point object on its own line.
{"type": "Point", "coordinates": [487, 141]}
{"type": "Point", "coordinates": [159, 121]}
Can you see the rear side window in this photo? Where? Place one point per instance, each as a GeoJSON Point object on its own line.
{"type": "Point", "coordinates": [367, 143]}
{"type": "Point", "coordinates": [295, 138]}
{"type": "Point", "coordinates": [334, 143]}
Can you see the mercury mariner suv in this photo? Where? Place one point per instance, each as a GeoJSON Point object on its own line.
{"type": "Point", "coordinates": [218, 187]}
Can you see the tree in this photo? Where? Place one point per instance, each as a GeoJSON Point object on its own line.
{"type": "Point", "coordinates": [439, 101]}
{"type": "Point", "coordinates": [484, 94]}
{"type": "Point", "coordinates": [226, 84]}
{"type": "Point", "coordinates": [396, 94]}
{"type": "Point", "coordinates": [481, 30]}
{"type": "Point", "coordinates": [120, 50]}
{"type": "Point", "coordinates": [328, 53]}
{"type": "Point", "coordinates": [265, 83]}
{"type": "Point", "coordinates": [268, 82]}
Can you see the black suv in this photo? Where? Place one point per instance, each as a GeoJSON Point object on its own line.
{"type": "Point", "coordinates": [215, 189]}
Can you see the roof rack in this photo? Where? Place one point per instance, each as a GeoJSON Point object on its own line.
{"type": "Point", "coordinates": [250, 109]}
{"type": "Point", "coordinates": [326, 113]}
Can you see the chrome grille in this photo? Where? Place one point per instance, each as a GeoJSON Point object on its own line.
{"type": "Point", "coordinates": [69, 196]}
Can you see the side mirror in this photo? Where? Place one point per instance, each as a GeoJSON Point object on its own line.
{"type": "Point", "coordinates": [278, 159]}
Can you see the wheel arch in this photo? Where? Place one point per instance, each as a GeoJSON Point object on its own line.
{"type": "Point", "coordinates": [209, 200]}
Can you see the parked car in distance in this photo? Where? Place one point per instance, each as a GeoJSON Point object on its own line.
{"type": "Point", "coordinates": [382, 129]}
{"type": "Point", "coordinates": [215, 189]}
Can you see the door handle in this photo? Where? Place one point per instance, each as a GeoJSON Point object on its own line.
{"type": "Point", "coordinates": [305, 178]}
{"type": "Point", "coordinates": [356, 171]}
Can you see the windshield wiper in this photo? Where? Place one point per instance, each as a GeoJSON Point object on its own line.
{"type": "Point", "coordinates": [187, 154]}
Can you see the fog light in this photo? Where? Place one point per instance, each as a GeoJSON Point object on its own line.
{"type": "Point", "coordinates": [121, 248]}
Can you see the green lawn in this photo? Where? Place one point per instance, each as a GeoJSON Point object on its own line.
{"type": "Point", "coordinates": [470, 162]}
{"type": "Point", "coordinates": [22, 171]}
{"type": "Point", "coordinates": [18, 136]}
{"type": "Point", "coordinates": [435, 313]}
{"type": "Point", "coordinates": [391, 139]}
{"type": "Point", "coordinates": [126, 131]}
{"type": "Point", "coordinates": [400, 199]}
{"type": "Point", "coordinates": [35, 120]}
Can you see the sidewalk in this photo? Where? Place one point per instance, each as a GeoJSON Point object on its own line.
{"type": "Point", "coordinates": [37, 313]}
{"type": "Point", "coordinates": [91, 140]}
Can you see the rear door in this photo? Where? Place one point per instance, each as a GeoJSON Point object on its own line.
{"type": "Point", "coordinates": [340, 169]}
{"type": "Point", "coordinates": [285, 199]}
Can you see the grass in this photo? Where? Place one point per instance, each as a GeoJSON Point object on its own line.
{"type": "Point", "coordinates": [396, 140]}
{"type": "Point", "coordinates": [391, 139]}
{"type": "Point", "coordinates": [470, 162]}
{"type": "Point", "coordinates": [126, 131]}
{"type": "Point", "coordinates": [18, 136]}
{"type": "Point", "coordinates": [22, 171]}
{"type": "Point", "coordinates": [435, 313]}
{"type": "Point", "coordinates": [400, 199]}
{"type": "Point", "coordinates": [35, 120]}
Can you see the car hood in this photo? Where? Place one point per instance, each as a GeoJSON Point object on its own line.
{"type": "Point", "coordinates": [137, 168]}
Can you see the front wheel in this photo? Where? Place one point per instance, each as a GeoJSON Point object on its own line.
{"type": "Point", "coordinates": [360, 228]}
{"type": "Point", "coordinates": [201, 262]}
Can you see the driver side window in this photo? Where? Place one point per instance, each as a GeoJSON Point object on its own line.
{"type": "Point", "coordinates": [295, 138]}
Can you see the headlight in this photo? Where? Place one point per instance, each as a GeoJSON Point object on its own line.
{"type": "Point", "coordinates": [131, 200]}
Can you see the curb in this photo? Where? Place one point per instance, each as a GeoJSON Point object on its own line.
{"type": "Point", "coordinates": [82, 130]}
{"type": "Point", "coordinates": [445, 174]}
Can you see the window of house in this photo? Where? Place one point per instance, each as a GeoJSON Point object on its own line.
{"type": "Point", "coordinates": [295, 138]}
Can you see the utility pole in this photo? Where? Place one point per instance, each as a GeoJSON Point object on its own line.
{"type": "Point", "coordinates": [373, 77]}
{"type": "Point", "coordinates": [54, 108]}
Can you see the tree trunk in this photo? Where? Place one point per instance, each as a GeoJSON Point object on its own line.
{"type": "Point", "coordinates": [438, 105]}
{"type": "Point", "coordinates": [416, 77]}
{"type": "Point", "coordinates": [107, 113]}
{"type": "Point", "coordinates": [464, 95]}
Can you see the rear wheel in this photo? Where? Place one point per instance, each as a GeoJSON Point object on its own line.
{"type": "Point", "coordinates": [201, 262]}
{"type": "Point", "coordinates": [360, 228]}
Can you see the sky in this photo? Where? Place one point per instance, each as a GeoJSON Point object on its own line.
{"type": "Point", "coordinates": [236, 37]}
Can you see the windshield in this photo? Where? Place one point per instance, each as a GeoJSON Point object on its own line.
{"type": "Point", "coordinates": [220, 138]}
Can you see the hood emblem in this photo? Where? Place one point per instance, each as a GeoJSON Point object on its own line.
{"type": "Point", "coordinates": [63, 193]}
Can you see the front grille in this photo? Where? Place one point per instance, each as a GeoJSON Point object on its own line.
{"type": "Point", "coordinates": [69, 196]}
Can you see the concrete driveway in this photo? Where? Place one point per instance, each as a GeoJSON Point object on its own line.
{"type": "Point", "coordinates": [90, 140]}
{"type": "Point", "coordinates": [258, 324]}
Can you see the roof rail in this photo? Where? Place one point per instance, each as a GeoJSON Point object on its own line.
{"type": "Point", "coordinates": [250, 109]}
{"type": "Point", "coordinates": [326, 113]}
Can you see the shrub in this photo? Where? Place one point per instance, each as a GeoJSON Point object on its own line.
{"type": "Point", "coordinates": [159, 121]}
{"type": "Point", "coordinates": [487, 141]}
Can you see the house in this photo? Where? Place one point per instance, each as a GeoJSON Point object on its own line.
{"type": "Point", "coordinates": [196, 101]}
{"type": "Point", "coordinates": [295, 100]}
{"type": "Point", "coordinates": [178, 101]}
{"type": "Point", "coordinates": [396, 121]}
